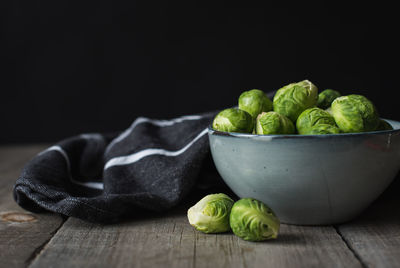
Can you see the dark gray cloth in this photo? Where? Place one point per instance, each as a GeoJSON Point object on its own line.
{"type": "Point", "coordinates": [151, 166]}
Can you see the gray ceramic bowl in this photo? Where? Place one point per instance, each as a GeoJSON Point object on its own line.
{"type": "Point", "coordinates": [309, 179]}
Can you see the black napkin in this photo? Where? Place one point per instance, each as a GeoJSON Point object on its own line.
{"type": "Point", "coordinates": [151, 166]}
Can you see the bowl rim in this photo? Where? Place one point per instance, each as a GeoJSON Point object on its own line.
{"type": "Point", "coordinates": [212, 131]}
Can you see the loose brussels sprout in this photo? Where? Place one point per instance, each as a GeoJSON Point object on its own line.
{"type": "Point", "coordinates": [313, 117]}
{"type": "Point", "coordinates": [211, 213]}
{"type": "Point", "coordinates": [355, 113]}
{"type": "Point", "coordinates": [253, 221]}
{"type": "Point", "coordinates": [293, 99]}
{"type": "Point", "coordinates": [254, 102]}
{"type": "Point", "coordinates": [329, 110]}
{"type": "Point", "coordinates": [233, 120]}
{"type": "Point", "coordinates": [273, 123]}
{"type": "Point", "coordinates": [326, 97]}
{"type": "Point", "coordinates": [383, 125]}
{"type": "Point", "coordinates": [321, 129]}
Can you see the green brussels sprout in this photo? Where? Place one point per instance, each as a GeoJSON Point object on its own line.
{"type": "Point", "coordinates": [383, 125]}
{"type": "Point", "coordinates": [322, 129]}
{"type": "Point", "coordinates": [254, 102]}
{"type": "Point", "coordinates": [355, 113]}
{"type": "Point", "coordinates": [313, 117]}
{"type": "Point", "coordinates": [253, 221]}
{"type": "Point", "coordinates": [326, 97]}
{"type": "Point", "coordinates": [329, 110]}
{"type": "Point", "coordinates": [211, 213]}
{"type": "Point", "coordinates": [293, 99]}
{"type": "Point", "coordinates": [233, 120]}
{"type": "Point", "coordinates": [273, 123]}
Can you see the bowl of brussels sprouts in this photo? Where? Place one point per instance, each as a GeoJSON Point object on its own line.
{"type": "Point", "coordinates": [314, 158]}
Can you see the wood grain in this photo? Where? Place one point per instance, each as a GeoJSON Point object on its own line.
{"type": "Point", "coordinates": [42, 240]}
{"type": "Point", "coordinates": [22, 234]}
{"type": "Point", "coordinates": [171, 242]}
{"type": "Point", "coordinates": [375, 235]}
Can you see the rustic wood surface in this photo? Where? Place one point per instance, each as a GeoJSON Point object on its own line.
{"type": "Point", "coordinates": [375, 235]}
{"type": "Point", "coordinates": [22, 234]}
{"type": "Point", "coordinates": [47, 240]}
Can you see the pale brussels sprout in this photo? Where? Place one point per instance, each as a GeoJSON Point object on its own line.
{"type": "Point", "coordinates": [311, 118]}
{"type": "Point", "coordinates": [254, 102]}
{"type": "Point", "coordinates": [211, 213]}
{"type": "Point", "coordinates": [326, 97]}
{"type": "Point", "coordinates": [383, 125]}
{"type": "Point", "coordinates": [322, 129]}
{"type": "Point", "coordinates": [293, 99]}
{"type": "Point", "coordinates": [233, 120]}
{"type": "Point", "coordinates": [273, 123]}
{"type": "Point", "coordinates": [329, 110]}
{"type": "Point", "coordinates": [355, 113]}
{"type": "Point", "coordinates": [253, 221]}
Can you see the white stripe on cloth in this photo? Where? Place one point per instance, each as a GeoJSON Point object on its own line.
{"type": "Point", "coordinates": [160, 123]}
{"type": "Point", "coordinates": [94, 136]}
{"type": "Point", "coordinates": [57, 148]}
{"type": "Point", "coordinates": [132, 158]}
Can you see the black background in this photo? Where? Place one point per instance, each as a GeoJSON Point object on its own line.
{"type": "Point", "coordinates": [69, 68]}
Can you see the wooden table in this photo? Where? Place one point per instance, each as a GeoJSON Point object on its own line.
{"type": "Point", "coordinates": [50, 240]}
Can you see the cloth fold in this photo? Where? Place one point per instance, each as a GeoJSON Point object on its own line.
{"type": "Point", "coordinates": [151, 166]}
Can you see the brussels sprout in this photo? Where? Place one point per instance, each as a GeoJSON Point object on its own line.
{"type": "Point", "coordinates": [313, 117]}
{"type": "Point", "coordinates": [326, 97]}
{"type": "Point", "coordinates": [293, 99]}
{"type": "Point", "coordinates": [321, 129]}
{"type": "Point", "coordinates": [233, 120]}
{"type": "Point", "coordinates": [383, 125]}
{"type": "Point", "coordinates": [253, 221]}
{"type": "Point", "coordinates": [211, 213]}
{"type": "Point", "coordinates": [273, 123]}
{"type": "Point", "coordinates": [329, 110]}
{"type": "Point", "coordinates": [355, 113]}
{"type": "Point", "coordinates": [254, 102]}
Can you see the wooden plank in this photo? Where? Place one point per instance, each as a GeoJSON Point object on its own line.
{"type": "Point", "coordinates": [22, 234]}
{"type": "Point", "coordinates": [375, 235]}
{"type": "Point", "coordinates": [169, 241]}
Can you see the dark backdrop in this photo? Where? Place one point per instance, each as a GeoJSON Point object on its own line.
{"type": "Point", "coordinates": [69, 68]}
